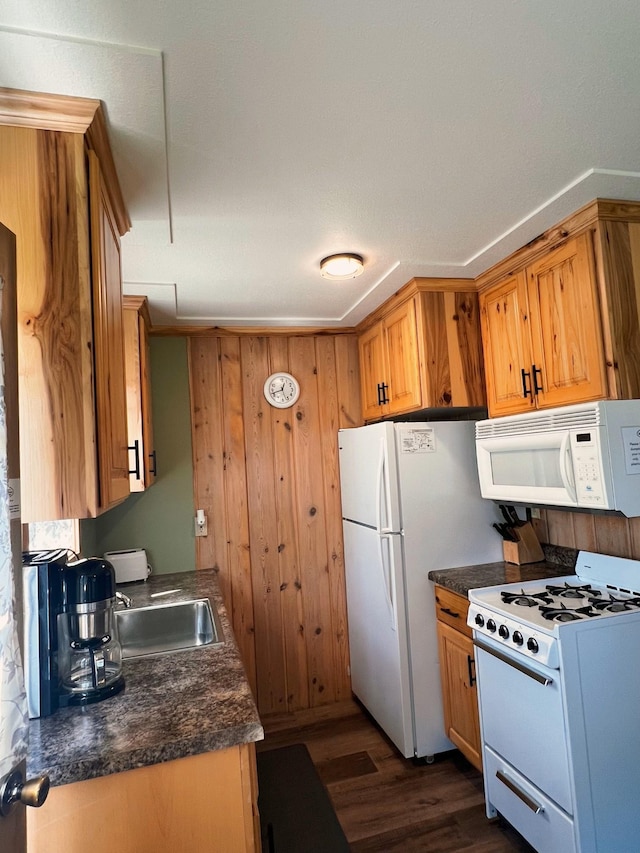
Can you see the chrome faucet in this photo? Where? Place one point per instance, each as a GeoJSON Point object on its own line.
{"type": "Point", "coordinates": [123, 599]}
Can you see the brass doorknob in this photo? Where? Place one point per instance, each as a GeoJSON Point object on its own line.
{"type": "Point", "coordinates": [33, 792]}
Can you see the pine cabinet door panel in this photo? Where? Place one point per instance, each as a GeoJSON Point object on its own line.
{"type": "Point", "coordinates": [402, 358]}
{"type": "Point", "coordinates": [372, 371]}
{"type": "Point", "coordinates": [565, 321]}
{"type": "Point", "coordinates": [505, 333]}
{"type": "Point", "coordinates": [108, 340]}
{"type": "Point", "coordinates": [461, 716]}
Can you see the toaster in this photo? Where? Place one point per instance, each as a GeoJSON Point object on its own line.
{"type": "Point", "coordinates": [129, 565]}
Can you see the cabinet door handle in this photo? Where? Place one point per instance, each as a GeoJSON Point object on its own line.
{"type": "Point", "coordinates": [382, 394]}
{"type": "Point", "coordinates": [470, 667]}
{"type": "Point", "coordinates": [537, 387]}
{"type": "Point", "coordinates": [526, 392]}
{"type": "Point", "coordinates": [450, 612]}
{"type": "Point", "coordinates": [153, 469]}
{"type": "Point", "coordinates": [136, 449]}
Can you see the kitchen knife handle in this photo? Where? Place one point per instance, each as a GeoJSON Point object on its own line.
{"type": "Point", "coordinates": [526, 392]}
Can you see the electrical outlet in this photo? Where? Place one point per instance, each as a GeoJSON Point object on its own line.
{"type": "Point", "coordinates": [535, 512]}
{"type": "Point", "coordinates": [200, 523]}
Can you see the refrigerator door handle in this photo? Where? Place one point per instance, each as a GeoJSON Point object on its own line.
{"type": "Point", "coordinates": [382, 524]}
{"type": "Point", "coordinates": [388, 578]}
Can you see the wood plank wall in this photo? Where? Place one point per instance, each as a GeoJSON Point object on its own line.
{"type": "Point", "coordinates": [613, 535]}
{"type": "Point", "coordinates": [268, 481]}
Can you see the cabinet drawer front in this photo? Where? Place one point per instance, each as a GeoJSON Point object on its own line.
{"type": "Point", "coordinates": [451, 608]}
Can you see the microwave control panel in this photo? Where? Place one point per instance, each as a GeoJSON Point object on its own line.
{"type": "Point", "coordinates": [587, 467]}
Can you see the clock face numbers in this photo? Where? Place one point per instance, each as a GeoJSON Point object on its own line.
{"type": "Point", "coordinates": [281, 390]}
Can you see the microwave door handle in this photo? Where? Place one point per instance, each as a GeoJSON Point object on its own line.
{"type": "Point", "coordinates": [566, 470]}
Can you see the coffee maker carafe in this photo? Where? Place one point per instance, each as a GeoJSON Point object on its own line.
{"type": "Point", "coordinates": [89, 652]}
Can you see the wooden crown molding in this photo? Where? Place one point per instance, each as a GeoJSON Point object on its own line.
{"type": "Point", "coordinates": [246, 331]}
{"type": "Point", "coordinates": [46, 112]}
{"type": "Point", "coordinates": [67, 114]}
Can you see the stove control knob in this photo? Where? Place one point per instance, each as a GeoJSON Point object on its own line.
{"type": "Point", "coordinates": [491, 625]}
{"type": "Point", "coordinates": [532, 645]}
{"type": "Point", "coordinates": [504, 632]}
{"type": "Point", "coordinates": [479, 620]}
{"type": "Point", "coordinates": [517, 638]}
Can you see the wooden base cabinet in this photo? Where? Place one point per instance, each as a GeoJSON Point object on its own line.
{"type": "Point", "coordinates": [457, 673]}
{"type": "Point", "coordinates": [560, 317]}
{"type": "Point", "coordinates": [142, 454]}
{"type": "Point", "coordinates": [422, 349]}
{"type": "Point", "coordinates": [73, 441]}
{"type": "Point", "coordinates": [204, 802]}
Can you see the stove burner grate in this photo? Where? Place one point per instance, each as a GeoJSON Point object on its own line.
{"type": "Point", "coordinates": [614, 605]}
{"type": "Point", "coordinates": [526, 599]}
{"type": "Point", "coordinates": [568, 591]}
{"type": "Point", "coordinates": [565, 614]}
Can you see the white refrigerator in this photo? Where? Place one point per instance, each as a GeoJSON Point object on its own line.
{"type": "Point", "coordinates": [410, 503]}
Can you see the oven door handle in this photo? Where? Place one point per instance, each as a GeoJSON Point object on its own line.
{"type": "Point", "coordinates": [536, 808]}
{"type": "Point", "coordinates": [525, 670]}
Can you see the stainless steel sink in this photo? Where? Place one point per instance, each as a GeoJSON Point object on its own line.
{"type": "Point", "coordinates": [168, 628]}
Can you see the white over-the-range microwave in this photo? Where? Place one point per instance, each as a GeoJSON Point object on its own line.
{"type": "Point", "coordinates": [584, 456]}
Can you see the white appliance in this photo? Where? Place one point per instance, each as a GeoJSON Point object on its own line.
{"type": "Point", "coordinates": [559, 693]}
{"type": "Point", "coordinates": [129, 565]}
{"type": "Point", "coordinates": [586, 456]}
{"type": "Point", "coordinates": [410, 503]}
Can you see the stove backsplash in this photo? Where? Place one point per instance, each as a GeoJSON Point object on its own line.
{"type": "Point", "coordinates": [580, 531]}
{"type": "Point", "coordinates": [564, 557]}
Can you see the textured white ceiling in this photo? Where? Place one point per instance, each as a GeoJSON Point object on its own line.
{"type": "Point", "coordinates": [252, 139]}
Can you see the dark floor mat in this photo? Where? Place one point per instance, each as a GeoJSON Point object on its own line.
{"type": "Point", "coordinates": [296, 815]}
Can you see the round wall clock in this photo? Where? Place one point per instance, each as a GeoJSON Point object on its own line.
{"type": "Point", "coordinates": [281, 390]}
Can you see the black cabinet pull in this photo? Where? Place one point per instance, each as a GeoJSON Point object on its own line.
{"type": "Point", "coordinates": [537, 387]}
{"type": "Point", "coordinates": [471, 666]}
{"type": "Point", "coordinates": [526, 392]}
{"type": "Point", "coordinates": [153, 469]}
{"type": "Point", "coordinates": [450, 612]}
{"type": "Point", "coordinates": [382, 393]}
{"type": "Point", "coordinates": [136, 449]}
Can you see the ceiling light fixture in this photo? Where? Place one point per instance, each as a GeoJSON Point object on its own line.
{"type": "Point", "coordinates": [342, 266]}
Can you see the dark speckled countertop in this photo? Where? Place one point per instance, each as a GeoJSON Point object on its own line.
{"type": "Point", "coordinates": [558, 562]}
{"type": "Point", "coordinates": [173, 705]}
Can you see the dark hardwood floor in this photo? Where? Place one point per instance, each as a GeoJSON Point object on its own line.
{"type": "Point", "coordinates": [384, 802]}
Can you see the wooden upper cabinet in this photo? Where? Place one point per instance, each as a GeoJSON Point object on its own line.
{"type": "Point", "coordinates": [142, 455]}
{"type": "Point", "coordinates": [543, 341]}
{"type": "Point", "coordinates": [507, 348]}
{"type": "Point", "coordinates": [403, 365]}
{"type": "Point", "coordinates": [111, 408]}
{"type": "Point", "coordinates": [566, 335]}
{"type": "Point", "coordinates": [422, 349]}
{"type": "Point", "coordinates": [372, 371]}
{"type": "Point", "coordinates": [565, 308]}
{"type": "Point", "coordinates": [70, 360]}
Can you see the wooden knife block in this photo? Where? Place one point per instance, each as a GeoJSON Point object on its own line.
{"type": "Point", "coordinates": [526, 550]}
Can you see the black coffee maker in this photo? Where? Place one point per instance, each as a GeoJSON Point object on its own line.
{"type": "Point", "coordinates": [72, 650]}
{"type": "Point", "coordinates": [89, 651]}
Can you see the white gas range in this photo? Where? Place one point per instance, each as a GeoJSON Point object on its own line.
{"type": "Point", "coordinates": [558, 669]}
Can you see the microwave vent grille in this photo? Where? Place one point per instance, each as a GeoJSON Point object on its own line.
{"type": "Point", "coordinates": [539, 422]}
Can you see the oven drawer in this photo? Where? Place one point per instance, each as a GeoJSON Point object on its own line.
{"type": "Point", "coordinates": [522, 718]}
{"type": "Point", "coordinates": [545, 826]}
